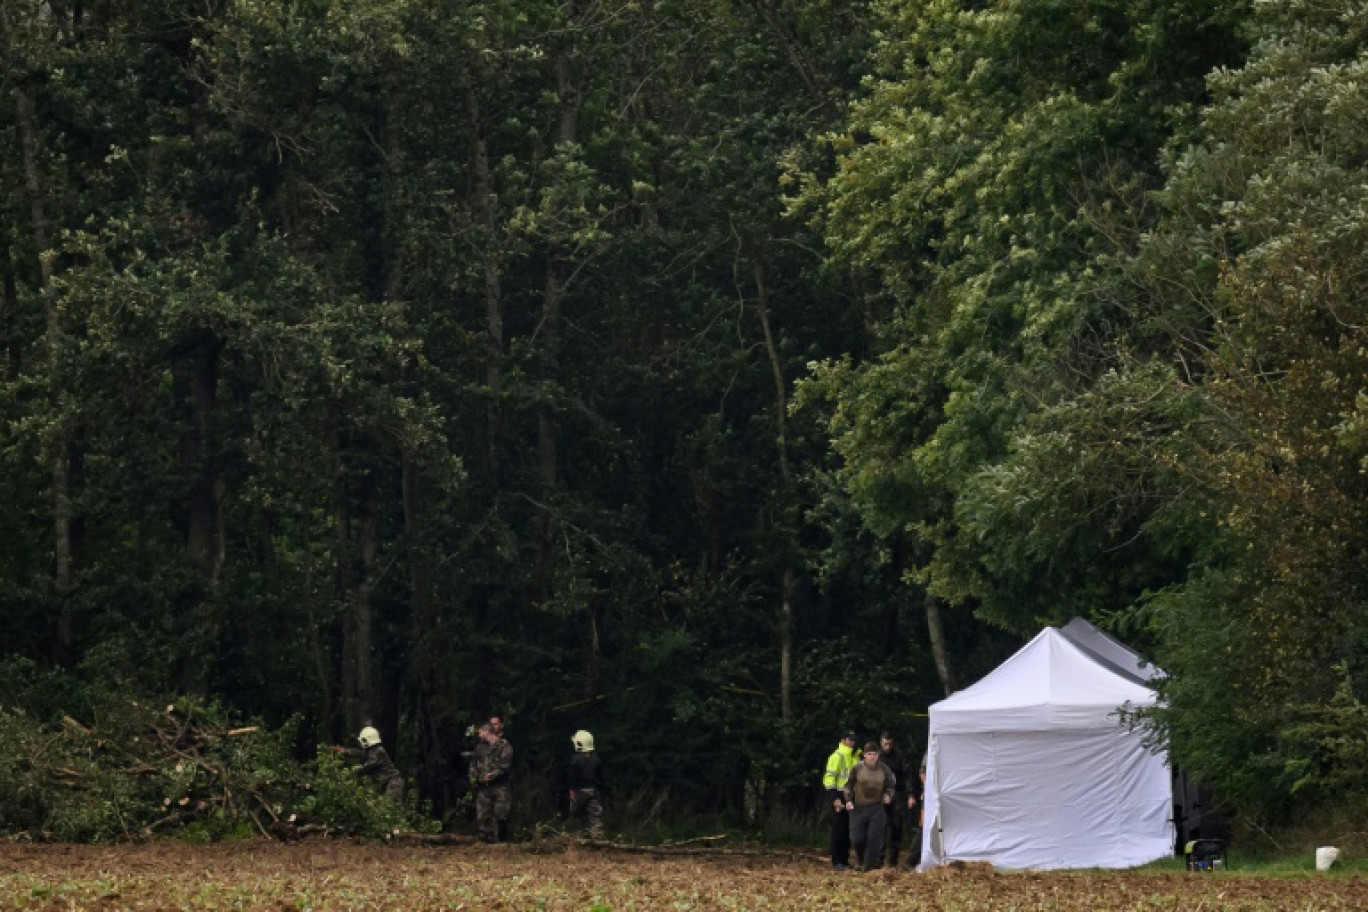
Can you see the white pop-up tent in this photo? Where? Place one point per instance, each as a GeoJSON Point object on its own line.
{"type": "Point", "coordinates": [1035, 767]}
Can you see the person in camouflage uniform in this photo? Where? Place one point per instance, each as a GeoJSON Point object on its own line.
{"type": "Point", "coordinates": [489, 769]}
{"type": "Point", "coordinates": [585, 779]}
{"type": "Point", "coordinates": [375, 764]}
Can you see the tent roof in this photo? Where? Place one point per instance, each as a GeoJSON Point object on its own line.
{"type": "Point", "coordinates": [1115, 655]}
{"type": "Point", "coordinates": [1049, 683]}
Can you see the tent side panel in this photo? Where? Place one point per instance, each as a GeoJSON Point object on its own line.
{"type": "Point", "coordinates": [1056, 799]}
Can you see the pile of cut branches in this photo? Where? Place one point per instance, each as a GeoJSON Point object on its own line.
{"type": "Point", "coordinates": [133, 770]}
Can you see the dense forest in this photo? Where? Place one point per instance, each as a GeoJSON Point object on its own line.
{"type": "Point", "coordinates": [710, 374]}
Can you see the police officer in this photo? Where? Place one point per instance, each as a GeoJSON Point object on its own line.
{"type": "Point", "coordinates": [838, 767]}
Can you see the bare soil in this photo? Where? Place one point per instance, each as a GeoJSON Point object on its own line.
{"type": "Point", "coordinates": [339, 874]}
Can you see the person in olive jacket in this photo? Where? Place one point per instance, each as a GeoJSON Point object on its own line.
{"type": "Point", "coordinates": [869, 787]}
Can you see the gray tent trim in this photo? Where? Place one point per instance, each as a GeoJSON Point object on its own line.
{"type": "Point", "coordinates": [1110, 653]}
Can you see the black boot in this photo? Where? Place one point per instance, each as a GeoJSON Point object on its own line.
{"type": "Point", "coordinates": [913, 851]}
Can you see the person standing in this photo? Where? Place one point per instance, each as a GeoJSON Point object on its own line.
{"type": "Point", "coordinates": [898, 808]}
{"type": "Point", "coordinates": [375, 764]}
{"type": "Point", "coordinates": [585, 780]}
{"type": "Point", "coordinates": [916, 794]}
{"type": "Point", "coordinates": [869, 787]}
{"type": "Point", "coordinates": [489, 776]}
{"type": "Point", "coordinates": [838, 767]}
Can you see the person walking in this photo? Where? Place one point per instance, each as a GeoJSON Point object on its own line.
{"type": "Point", "coordinates": [898, 808]}
{"type": "Point", "coordinates": [916, 794]}
{"type": "Point", "coordinates": [489, 776]}
{"type": "Point", "coordinates": [585, 780]}
{"type": "Point", "coordinates": [375, 764]}
{"type": "Point", "coordinates": [838, 767]}
{"type": "Point", "coordinates": [869, 787]}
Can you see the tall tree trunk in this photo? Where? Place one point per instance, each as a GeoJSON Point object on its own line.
{"type": "Point", "coordinates": [939, 653]}
{"type": "Point", "coordinates": [204, 527]}
{"type": "Point", "coordinates": [317, 625]}
{"type": "Point", "coordinates": [356, 511]}
{"type": "Point", "coordinates": [342, 580]}
{"type": "Point", "coordinates": [362, 620]}
{"type": "Point", "coordinates": [786, 644]}
{"type": "Point", "coordinates": [893, 607]}
{"type": "Point", "coordinates": [594, 661]}
{"type": "Point", "coordinates": [9, 300]}
{"type": "Point", "coordinates": [429, 756]}
{"type": "Point", "coordinates": [787, 575]}
{"type": "Point", "coordinates": [547, 439]}
{"type": "Point", "coordinates": [492, 271]}
{"type": "Point", "coordinates": [58, 455]}
{"type": "Point", "coordinates": [548, 333]}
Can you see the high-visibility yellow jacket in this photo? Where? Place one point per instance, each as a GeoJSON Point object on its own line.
{"type": "Point", "coordinates": [838, 767]}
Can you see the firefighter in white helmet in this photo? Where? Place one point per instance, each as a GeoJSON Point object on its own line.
{"type": "Point", "coordinates": [375, 764]}
{"type": "Point", "coordinates": [585, 779]}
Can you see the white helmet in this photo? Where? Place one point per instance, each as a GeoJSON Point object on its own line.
{"type": "Point", "coordinates": [583, 741]}
{"type": "Point", "coordinates": [369, 737]}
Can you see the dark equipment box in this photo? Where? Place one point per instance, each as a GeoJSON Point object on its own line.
{"type": "Point", "coordinates": [1205, 855]}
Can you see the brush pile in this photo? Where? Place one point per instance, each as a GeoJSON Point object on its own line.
{"type": "Point", "coordinates": [132, 770]}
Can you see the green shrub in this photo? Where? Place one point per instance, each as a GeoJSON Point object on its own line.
{"type": "Point", "coordinates": [119, 767]}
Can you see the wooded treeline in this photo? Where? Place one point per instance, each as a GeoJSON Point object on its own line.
{"type": "Point", "coordinates": [706, 373]}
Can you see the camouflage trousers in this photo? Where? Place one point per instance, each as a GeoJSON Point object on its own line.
{"type": "Point", "coordinates": [588, 804]}
{"type": "Point", "coordinates": [492, 803]}
{"type": "Point", "coordinates": [393, 789]}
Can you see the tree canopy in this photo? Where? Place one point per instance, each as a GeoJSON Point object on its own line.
{"type": "Point", "coordinates": [710, 375]}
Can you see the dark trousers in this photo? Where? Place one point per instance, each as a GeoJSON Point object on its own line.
{"type": "Point", "coordinates": [840, 837]}
{"type": "Point", "coordinates": [893, 830]}
{"type": "Point", "coordinates": [867, 823]}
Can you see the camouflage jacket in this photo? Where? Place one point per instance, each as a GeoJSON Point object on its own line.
{"type": "Point", "coordinates": [374, 762]}
{"type": "Point", "coordinates": [490, 763]}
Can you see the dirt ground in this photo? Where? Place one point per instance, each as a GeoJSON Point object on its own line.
{"type": "Point", "coordinates": [339, 874]}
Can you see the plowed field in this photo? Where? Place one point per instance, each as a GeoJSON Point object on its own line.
{"type": "Point", "coordinates": [334, 874]}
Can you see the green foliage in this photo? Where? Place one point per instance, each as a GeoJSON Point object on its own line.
{"type": "Point", "coordinates": [133, 768]}
{"type": "Point", "coordinates": [1001, 156]}
{"type": "Point", "coordinates": [1327, 747]}
{"type": "Point", "coordinates": [1263, 229]}
{"type": "Point", "coordinates": [1207, 719]}
{"type": "Point", "coordinates": [338, 797]}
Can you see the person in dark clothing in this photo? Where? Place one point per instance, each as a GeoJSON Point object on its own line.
{"type": "Point", "coordinates": [585, 780]}
{"type": "Point", "coordinates": [897, 809]}
{"type": "Point", "coordinates": [868, 789]}
{"type": "Point", "coordinates": [916, 792]}
{"type": "Point", "coordinates": [375, 764]}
